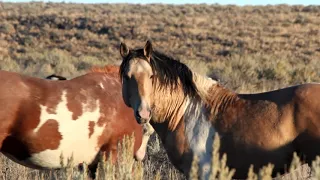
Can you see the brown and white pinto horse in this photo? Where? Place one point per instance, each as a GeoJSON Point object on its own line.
{"type": "Point", "coordinates": [41, 119]}
{"type": "Point", "coordinates": [186, 110]}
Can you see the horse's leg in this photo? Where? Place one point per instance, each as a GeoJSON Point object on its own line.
{"type": "Point", "coordinates": [307, 118]}
{"type": "Point", "coordinates": [106, 150]}
{"type": "Point", "coordinates": [3, 132]}
{"type": "Point", "coordinates": [92, 168]}
{"type": "Point", "coordinates": [7, 119]}
{"type": "Point", "coordinates": [114, 154]}
{"type": "Point", "coordinates": [308, 146]}
{"type": "Point", "coordinates": [2, 138]}
{"type": "Point", "coordinates": [147, 132]}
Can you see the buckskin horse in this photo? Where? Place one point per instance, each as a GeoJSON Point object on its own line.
{"type": "Point", "coordinates": [186, 109]}
{"type": "Point", "coordinates": [40, 120]}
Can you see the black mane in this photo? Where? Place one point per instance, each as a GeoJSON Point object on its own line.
{"type": "Point", "coordinates": [167, 70]}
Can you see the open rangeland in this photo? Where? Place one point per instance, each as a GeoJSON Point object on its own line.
{"type": "Point", "coordinates": [250, 48]}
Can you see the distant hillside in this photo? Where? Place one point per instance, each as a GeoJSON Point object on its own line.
{"type": "Point", "coordinates": [40, 38]}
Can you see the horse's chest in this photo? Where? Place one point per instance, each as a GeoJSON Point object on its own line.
{"type": "Point", "coordinates": [199, 135]}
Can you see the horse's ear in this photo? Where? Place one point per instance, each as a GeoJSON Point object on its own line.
{"type": "Point", "coordinates": [147, 50]}
{"type": "Point", "coordinates": [124, 50]}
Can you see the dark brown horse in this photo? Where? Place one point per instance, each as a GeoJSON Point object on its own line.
{"type": "Point", "coordinates": [186, 110]}
{"type": "Point", "coordinates": [40, 120]}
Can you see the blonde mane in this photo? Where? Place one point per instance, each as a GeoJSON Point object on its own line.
{"type": "Point", "coordinates": [214, 95]}
{"type": "Point", "coordinates": [218, 98]}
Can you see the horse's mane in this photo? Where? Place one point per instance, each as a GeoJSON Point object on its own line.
{"type": "Point", "coordinates": [110, 69]}
{"type": "Point", "coordinates": [167, 70]}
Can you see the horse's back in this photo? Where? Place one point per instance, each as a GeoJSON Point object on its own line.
{"type": "Point", "coordinates": [285, 95]}
{"type": "Point", "coordinates": [307, 108]}
{"type": "Point", "coordinates": [11, 84]}
{"type": "Point", "coordinates": [283, 121]}
{"type": "Point", "coordinates": [294, 108]}
{"type": "Point", "coordinates": [13, 92]}
{"type": "Point", "coordinates": [309, 92]}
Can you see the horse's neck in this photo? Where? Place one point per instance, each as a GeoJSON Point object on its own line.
{"type": "Point", "coordinates": [204, 84]}
{"type": "Point", "coordinates": [173, 105]}
{"type": "Point", "coordinates": [219, 100]}
{"type": "Point", "coordinates": [196, 107]}
{"type": "Point", "coordinates": [169, 106]}
{"type": "Point", "coordinates": [192, 118]}
{"type": "Point", "coordinates": [192, 131]}
{"type": "Point", "coordinates": [199, 128]}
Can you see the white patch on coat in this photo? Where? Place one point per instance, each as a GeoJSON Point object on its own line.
{"type": "Point", "coordinates": [198, 128]}
{"type": "Point", "coordinates": [75, 135]}
{"type": "Point", "coordinates": [101, 85]}
{"type": "Point", "coordinates": [200, 134]}
{"type": "Point", "coordinates": [54, 78]}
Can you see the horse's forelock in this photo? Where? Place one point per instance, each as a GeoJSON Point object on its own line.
{"type": "Point", "coordinates": [133, 54]}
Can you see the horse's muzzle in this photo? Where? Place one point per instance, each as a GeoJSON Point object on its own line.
{"type": "Point", "coordinates": [143, 116]}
